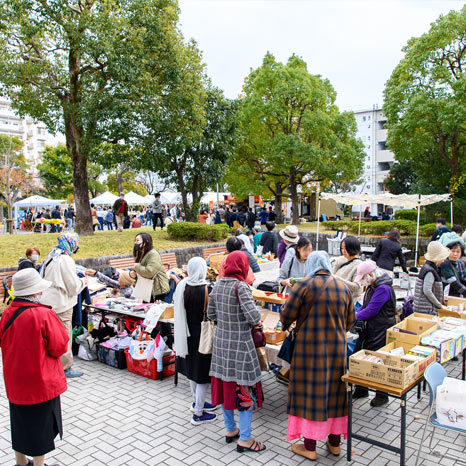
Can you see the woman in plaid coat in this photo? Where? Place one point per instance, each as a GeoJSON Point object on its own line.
{"type": "Point", "coordinates": [235, 369]}
{"type": "Point", "coordinates": [316, 395]}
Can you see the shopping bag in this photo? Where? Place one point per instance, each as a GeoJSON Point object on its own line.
{"type": "Point", "coordinates": [451, 403]}
{"type": "Point", "coordinates": [143, 288]}
{"type": "Point", "coordinates": [87, 348]}
{"type": "Point", "coordinates": [206, 339]}
{"type": "Point", "coordinates": [262, 356]}
{"type": "Point", "coordinates": [141, 348]}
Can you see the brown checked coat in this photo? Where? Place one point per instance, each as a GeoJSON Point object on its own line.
{"type": "Point", "coordinates": [316, 392]}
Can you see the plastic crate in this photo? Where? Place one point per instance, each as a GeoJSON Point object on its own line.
{"type": "Point", "coordinates": [111, 357]}
{"type": "Point", "coordinates": [149, 369]}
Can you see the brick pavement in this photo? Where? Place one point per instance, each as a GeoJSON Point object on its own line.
{"type": "Point", "coordinates": [115, 418]}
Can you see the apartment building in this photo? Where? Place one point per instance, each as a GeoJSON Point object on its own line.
{"type": "Point", "coordinates": [34, 136]}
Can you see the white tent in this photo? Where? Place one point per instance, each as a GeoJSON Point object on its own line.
{"type": "Point", "coordinates": [411, 201]}
{"type": "Point", "coordinates": [40, 201]}
{"type": "Point", "coordinates": [135, 199]}
{"type": "Point", "coordinates": [107, 198]}
{"type": "Point", "coordinates": [166, 198]}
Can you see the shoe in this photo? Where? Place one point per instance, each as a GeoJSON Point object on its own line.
{"type": "Point", "coordinates": [298, 449]}
{"type": "Point", "coordinates": [30, 463]}
{"type": "Point", "coordinates": [230, 438]}
{"type": "Point", "coordinates": [378, 401]}
{"type": "Point", "coordinates": [205, 418]}
{"type": "Point", "coordinates": [255, 447]}
{"type": "Point", "coordinates": [360, 393]}
{"type": "Point", "coordinates": [333, 450]}
{"type": "Point", "coordinates": [73, 374]}
{"type": "Point", "coordinates": [207, 407]}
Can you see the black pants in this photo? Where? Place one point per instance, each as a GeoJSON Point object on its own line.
{"type": "Point", "coordinates": [154, 220]}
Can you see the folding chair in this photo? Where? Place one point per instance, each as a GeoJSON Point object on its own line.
{"type": "Point", "coordinates": [434, 376]}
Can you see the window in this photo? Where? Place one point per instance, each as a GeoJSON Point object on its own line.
{"type": "Point", "coordinates": [368, 138]}
{"type": "Point", "coordinates": [368, 126]}
{"type": "Point", "coordinates": [363, 118]}
{"type": "Point", "coordinates": [369, 146]}
{"type": "Point", "coordinates": [369, 118]}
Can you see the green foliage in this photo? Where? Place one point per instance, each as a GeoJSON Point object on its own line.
{"type": "Point", "coordinates": [197, 231]}
{"type": "Point", "coordinates": [379, 228]}
{"type": "Point", "coordinates": [410, 214]}
{"type": "Point", "coordinates": [428, 229]}
{"type": "Point", "coordinates": [128, 183]}
{"type": "Point", "coordinates": [425, 105]}
{"type": "Point", "coordinates": [402, 177]}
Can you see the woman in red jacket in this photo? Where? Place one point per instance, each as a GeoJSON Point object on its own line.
{"type": "Point", "coordinates": [32, 339]}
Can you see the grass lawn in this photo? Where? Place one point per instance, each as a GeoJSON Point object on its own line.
{"type": "Point", "coordinates": [102, 243]}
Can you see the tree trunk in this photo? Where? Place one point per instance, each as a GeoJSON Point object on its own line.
{"type": "Point", "coordinates": [294, 197]}
{"type": "Point", "coordinates": [278, 201]}
{"type": "Point", "coordinates": [9, 207]}
{"type": "Point", "coordinates": [184, 196]}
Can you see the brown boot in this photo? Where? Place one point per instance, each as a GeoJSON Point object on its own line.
{"type": "Point", "coordinates": [298, 449]}
{"type": "Point", "coordinates": [333, 450]}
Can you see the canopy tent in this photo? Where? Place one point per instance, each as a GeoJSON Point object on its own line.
{"type": "Point", "coordinates": [135, 199]}
{"type": "Point", "coordinates": [166, 198]}
{"type": "Point", "coordinates": [38, 201]}
{"type": "Point", "coordinates": [398, 200]}
{"type": "Point", "coordinates": [107, 198]}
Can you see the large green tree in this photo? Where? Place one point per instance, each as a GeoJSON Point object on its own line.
{"type": "Point", "coordinates": [425, 105]}
{"type": "Point", "coordinates": [293, 133]}
{"type": "Point", "coordinates": [83, 67]}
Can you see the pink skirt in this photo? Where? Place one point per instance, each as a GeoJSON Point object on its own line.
{"type": "Point", "coordinates": [315, 430]}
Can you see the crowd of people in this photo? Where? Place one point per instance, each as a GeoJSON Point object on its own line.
{"type": "Point", "coordinates": [325, 301]}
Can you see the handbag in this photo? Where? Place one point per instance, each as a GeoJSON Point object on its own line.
{"type": "Point", "coordinates": [143, 288]}
{"type": "Point", "coordinates": [140, 348]}
{"type": "Point", "coordinates": [287, 348]}
{"type": "Point", "coordinates": [206, 339]}
{"type": "Point", "coordinates": [262, 356]}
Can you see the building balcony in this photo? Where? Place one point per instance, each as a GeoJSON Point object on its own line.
{"type": "Point", "coordinates": [384, 156]}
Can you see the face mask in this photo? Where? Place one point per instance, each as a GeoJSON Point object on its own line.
{"type": "Point", "coordinates": [34, 257]}
{"type": "Point", "coordinates": [365, 282]}
{"type": "Point", "coordinates": [138, 247]}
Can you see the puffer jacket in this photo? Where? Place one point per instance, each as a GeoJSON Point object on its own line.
{"type": "Point", "coordinates": [421, 303]}
{"type": "Point", "coordinates": [151, 267]}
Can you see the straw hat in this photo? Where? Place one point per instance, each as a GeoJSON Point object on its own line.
{"type": "Point", "coordinates": [27, 282]}
{"type": "Point", "coordinates": [290, 233]}
{"type": "Point", "coordinates": [436, 251]}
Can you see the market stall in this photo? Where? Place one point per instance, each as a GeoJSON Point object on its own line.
{"type": "Point", "coordinates": [35, 201]}
{"type": "Point", "coordinates": [106, 198]}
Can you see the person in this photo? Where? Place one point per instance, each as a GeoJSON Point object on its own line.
{"type": "Point", "coordinates": [149, 265]}
{"type": "Point", "coordinates": [257, 237]}
{"type": "Point", "coordinates": [367, 212]}
{"type": "Point", "coordinates": [453, 236]}
{"type": "Point", "coordinates": [60, 269]}
{"type": "Point", "coordinates": [228, 217]}
{"type": "Point", "coordinates": [378, 314]}
{"type": "Point", "coordinates": [235, 369]}
{"type": "Point", "coordinates": [251, 219]}
{"type": "Point", "coordinates": [203, 217]}
{"type": "Point", "coordinates": [245, 239]}
{"type": "Point", "coordinates": [120, 211]}
{"type": "Point", "coordinates": [56, 214]}
{"type": "Point", "coordinates": [32, 343]}
{"type": "Point", "coordinates": [242, 217]}
{"type": "Point", "coordinates": [235, 244]}
{"type": "Point", "coordinates": [294, 265]}
{"type": "Point", "coordinates": [387, 250]}
{"type": "Point", "coordinates": [109, 217]}
{"type": "Point", "coordinates": [248, 250]}
{"type": "Point", "coordinates": [452, 270]}
{"type": "Point", "coordinates": [148, 216]}
{"type": "Point", "coordinates": [317, 406]}
{"type": "Point", "coordinates": [428, 289]}
{"type": "Point", "coordinates": [70, 215]}
{"type": "Point", "coordinates": [289, 237]}
{"type": "Point", "coordinates": [441, 229]}
{"type": "Point", "coordinates": [234, 217]}
{"type": "Point", "coordinates": [264, 216]}
{"type": "Point", "coordinates": [31, 259]}
{"type": "Point", "coordinates": [218, 219]}
{"type": "Point", "coordinates": [272, 215]}
{"type": "Point", "coordinates": [269, 240]}
{"type": "Point", "coordinates": [346, 266]}
{"type": "Point", "coordinates": [190, 302]}
{"type": "Point", "coordinates": [95, 220]}
{"type": "Point", "coordinates": [122, 281]}
{"type": "Point", "coordinates": [157, 212]}
{"type": "Point", "coordinates": [101, 218]}
{"type": "Point", "coordinates": [47, 216]}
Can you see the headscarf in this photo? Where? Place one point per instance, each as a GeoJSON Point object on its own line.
{"type": "Point", "coordinates": [197, 271]}
{"type": "Point", "coordinates": [247, 242]}
{"type": "Point", "coordinates": [237, 265]}
{"type": "Point", "coordinates": [68, 243]}
{"type": "Point", "coordinates": [317, 260]}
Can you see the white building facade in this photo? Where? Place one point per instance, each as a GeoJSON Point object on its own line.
{"type": "Point", "coordinates": [378, 160]}
{"type": "Point", "coordinates": [34, 136]}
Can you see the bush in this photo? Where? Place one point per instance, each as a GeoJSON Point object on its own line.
{"type": "Point", "coordinates": [197, 231]}
{"type": "Point", "coordinates": [410, 214]}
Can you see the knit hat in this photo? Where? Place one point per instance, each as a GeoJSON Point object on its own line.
{"type": "Point", "coordinates": [27, 282]}
{"type": "Point", "coordinates": [290, 233]}
{"type": "Point", "coordinates": [125, 279]}
{"type": "Point", "coordinates": [436, 251]}
{"type": "Point", "coordinates": [364, 268]}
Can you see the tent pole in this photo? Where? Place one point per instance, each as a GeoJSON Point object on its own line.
{"type": "Point", "coordinates": [417, 229]}
{"type": "Point", "coordinates": [451, 211]}
{"type": "Point", "coordinates": [360, 215]}
{"type": "Point", "coordinates": [318, 219]}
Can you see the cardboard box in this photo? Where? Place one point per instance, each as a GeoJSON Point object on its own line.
{"type": "Point", "coordinates": [270, 320]}
{"type": "Point", "coordinates": [395, 371]}
{"type": "Point", "coordinates": [421, 364]}
{"type": "Point", "coordinates": [169, 313]}
{"type": "Point", "coordinates": [442, 342]}
{"type": "Point", "coordinates": [274, 337]}
{"type": "Point", "coordinates": [420, 327]}
{"type": "Point", "coordinates": [454, 301]}
{"type": "Point", "coordinates": [420, 315]}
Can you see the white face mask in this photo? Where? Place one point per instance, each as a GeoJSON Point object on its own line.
{"type": "Point", "coordinates": [366, 281]}
{"type": "Point", "coordinates": [34, 257]}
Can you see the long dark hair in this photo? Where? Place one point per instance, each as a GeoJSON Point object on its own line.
{"type": "Point", "coordinates": [394, 235]}
{"type": "Point", "coordinates": [146, 246]}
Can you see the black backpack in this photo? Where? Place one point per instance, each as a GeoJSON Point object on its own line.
{"type": "Point", "coordinates": [268, 286]}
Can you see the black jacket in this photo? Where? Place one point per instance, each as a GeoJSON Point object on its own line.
{"type": "Point", "coordinates": [439, 232]}
{"type": "Point", "coordinates": [56, 213]}
{"type": "Point", "coordinates": [269, 241]}
{"type": "Point", "coordinates": [386, 252]}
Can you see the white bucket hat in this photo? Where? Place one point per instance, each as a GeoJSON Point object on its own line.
{"type": "Point", "coordinates": [27, 282]}
{"type": "Point", "coordinates": [436, 251]}
{"type": "Point", "coordinates": [290, 233]}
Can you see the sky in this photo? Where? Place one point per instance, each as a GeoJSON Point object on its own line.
{"type": "Point", "coordinates": [355, 44]}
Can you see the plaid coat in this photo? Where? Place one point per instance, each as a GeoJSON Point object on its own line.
{"type": "Point", "coordinates": [234, 357]}
{"type": "Point", "coordinates": [316, 392]}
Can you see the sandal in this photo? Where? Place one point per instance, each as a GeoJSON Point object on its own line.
{"type": "Point", "coordinates": [230, 438]}
{"type": "Point", "coordinates": [255, 447]}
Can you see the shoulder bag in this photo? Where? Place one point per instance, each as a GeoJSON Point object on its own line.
{"type": "Point", "coordinates": [287, 348]}
{"type": "Point", "coordinates": [207, 330]}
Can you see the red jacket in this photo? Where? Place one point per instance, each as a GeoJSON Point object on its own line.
{"type": "Point", "coordinates": [31, 350]}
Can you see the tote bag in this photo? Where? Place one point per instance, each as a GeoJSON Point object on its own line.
{"type": "Point", "coordinates": [207, 330]}
{"type": "Point", "coordinates": [143, 288]}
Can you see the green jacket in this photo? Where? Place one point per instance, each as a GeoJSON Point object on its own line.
{"type": "Point", "coordinates": [151, 267]}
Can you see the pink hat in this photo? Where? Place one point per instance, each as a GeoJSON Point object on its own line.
{"type": "Point", "coordinates": [364, 268]}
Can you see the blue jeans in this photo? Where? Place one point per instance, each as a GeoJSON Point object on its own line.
{"type": "Point", "coordinates": [70, 223]}
{"type": "Point", "coordinates": [245, 419]}
{"type": "Point", "coordinates": [101, 223]}
{"type": "Point", "coordinates": [109, 225]}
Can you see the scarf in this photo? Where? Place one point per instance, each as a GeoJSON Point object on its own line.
{"type": "Point", "coordinates": [197, 271]}
{"type": "Point", "coordinates": [247, 242]}
{"type": "Point", "coordinates": [237, 265]}
{"type": "Point", "coordinates": [317, 260]}
{"type": "Point", "coordinates": [68, 243]}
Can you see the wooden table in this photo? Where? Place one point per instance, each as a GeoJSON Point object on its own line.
{"type": "Point", "coordinates": [390, 391]}
{"type": "Point", "coordinates": [274, 298]}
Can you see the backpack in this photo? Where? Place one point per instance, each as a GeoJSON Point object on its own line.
{"type": "Point", "coordinates": [109, 217]}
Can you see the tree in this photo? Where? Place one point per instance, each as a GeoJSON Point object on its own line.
{"type": "Point", "coordinates": [293, 133]}
{"type": "Point", "coordinates": [14, 179]}
{"type": "Point", "coordinates": [125, 183]}
{"type": "Point", "coordinates": [82, 66]}
{"type": "Point", "coordinates": [425, 104]}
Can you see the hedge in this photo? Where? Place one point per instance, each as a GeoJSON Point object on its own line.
{"type": "Point", "coordinates": [197, 231]}
{"type": "Point", "coordinates": [410, 214]}
{"type": "Point", "coordinates": [379, 228]}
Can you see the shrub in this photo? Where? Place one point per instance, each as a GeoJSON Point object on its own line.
{"type": "Point", "coordinates": [197, 231]}
{"type": "Point", "coordinates": [410, 214]}
{"type": "Point", "coordinates": [427, 230]}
